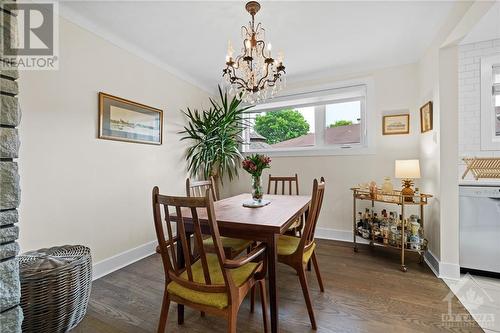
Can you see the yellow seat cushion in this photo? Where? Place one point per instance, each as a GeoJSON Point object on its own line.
{"type": "Point", "coordinates": [287, 245]}
{"type": "Point", "coordinates": [237, 245]}
{"type": "Point", "coordinates": [217, 300]}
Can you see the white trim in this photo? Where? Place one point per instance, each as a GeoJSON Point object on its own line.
{"type": "Point", "coordinates": [330, 92]}
{"type": "Point", "coordinates": [337, 234]}
{"type": "Point", "coordinates": [442, 271]}
{"type": "Point", "coordinates": [78, 19]}
{"type": "Point", "coordinates": [489, 141]}
{"type": "Point", "coordinates": [120, 260]}
{"type": "Point", "coordinates": [449, 271]}
{"type": "Point", "coordinates": [354, 149]}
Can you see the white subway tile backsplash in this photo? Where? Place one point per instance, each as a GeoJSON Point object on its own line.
{"type": "Point", "coordinates": [469, 134]}
{"type": "Point", "coordinates": [483, 45]}
{"type": "Point", "coordinates": [466, 47]}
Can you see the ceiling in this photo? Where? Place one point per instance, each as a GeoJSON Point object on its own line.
{"type": "Point", "coordinates": [318, 38]}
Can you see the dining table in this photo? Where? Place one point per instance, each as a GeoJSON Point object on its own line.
{"type": "Point", "coordinates": [263, 224]}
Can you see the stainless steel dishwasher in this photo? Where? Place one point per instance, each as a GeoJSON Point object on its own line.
{"type": "Point", "coordinates": [480, 228]}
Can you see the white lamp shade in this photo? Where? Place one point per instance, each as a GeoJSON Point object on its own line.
{"type": "Point", "coordinates": [407, 169]}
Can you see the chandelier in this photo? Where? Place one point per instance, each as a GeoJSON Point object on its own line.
{"type": "Point", "coordinates": [254, 73]}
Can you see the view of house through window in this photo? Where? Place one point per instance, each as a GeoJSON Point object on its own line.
{"type": "Point", "coordinates": [337, 123]}
{"type": "Point", "coordinates": [343, 123]}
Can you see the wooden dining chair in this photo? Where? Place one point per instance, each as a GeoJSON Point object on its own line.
{"type": "Point", "coordinates": [296, 251]}
{"type": "Point", "coordinates": [286, 186]}
{"type": "Point", "coordinates": [208, 282]}
{"type": "Point", "coordinates": [232, 246]}
{"type": "Point", "coordinates": [197, 188]}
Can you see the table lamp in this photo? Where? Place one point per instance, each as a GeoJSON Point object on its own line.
{"type": "Point", "coordinates": [407, 171]}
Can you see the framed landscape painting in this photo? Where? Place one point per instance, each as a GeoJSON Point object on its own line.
{"type": "Point", "coordinates": [396, 124]}
{"type": "Point", "coordinates": [124, 120]}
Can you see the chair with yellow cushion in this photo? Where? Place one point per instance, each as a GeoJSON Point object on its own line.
{"type": "Point", "coordinates": [288, 184]}
{"type": "Point", "coordinates": [232, 246]}
{"type": "Point", "coordinates": [297, 251]}
{"type": "Point", "coordinates": [208, 282]}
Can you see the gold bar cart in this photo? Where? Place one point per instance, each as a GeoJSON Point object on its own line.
{"type": "Point", "coordinates": [395, 198]}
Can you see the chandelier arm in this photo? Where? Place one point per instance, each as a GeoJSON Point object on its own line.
{"type": "Point", "coordinates": [245, 28]}
{"type": "Point", "coordinates": [263, 48]}
{"type": "Point", "coordinates": [264, 77]}
{"type": "Point", "coordinates": [235, 79]}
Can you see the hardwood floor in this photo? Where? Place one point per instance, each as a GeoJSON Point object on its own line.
{"type": "Point", "coordinates": [365, 292]}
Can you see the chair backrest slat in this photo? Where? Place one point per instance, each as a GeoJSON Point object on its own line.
{"type": "Point", "coordinates": [170, 236]}
{"type": "Point", "coordinates": [187, 211]}
{"type": "Point", "coordinates": [313, 214]}
{"type": "Point", "coordinates": [199, 243]}
{"type": "Point", "coordinates": [197, 188]}
{"type": "Point", "coordinates": [184, 242]}
{"type": "Point", "coordinates": [276, 181]}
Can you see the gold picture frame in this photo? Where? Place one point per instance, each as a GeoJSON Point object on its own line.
{"type": "Point", "coordinates": [426, 117]}
{"type": "Point", "coordinates": [124, 120]}
{"type": "Point", "coordinates": [396, 124]}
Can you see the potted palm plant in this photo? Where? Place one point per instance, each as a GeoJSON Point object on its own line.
{"type": "Point", "coordinates": [216, 136]}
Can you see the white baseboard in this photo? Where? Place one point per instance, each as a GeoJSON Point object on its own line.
{"type": "Point", "coordinates": [123, 259]}
{"type": "Point", "coordinates": [440, 269]}
{"type": "Point", "coordinates": [333, 234]}
{"type": "Point", "coordinates": [338, 235]}
{"type": "Point", "coordinates": [449, 271]}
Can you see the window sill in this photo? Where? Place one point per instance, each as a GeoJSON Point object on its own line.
{"type": "Point", "coordinates": [306, 151]}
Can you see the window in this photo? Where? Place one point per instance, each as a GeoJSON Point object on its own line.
{"type": "Point", "coordinates": [490, 103]}
{"type": "Point", "coordinates": [322, 121]}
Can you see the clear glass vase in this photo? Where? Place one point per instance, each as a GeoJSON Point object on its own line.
{"type": "Point", "coordinates": [257, 192]}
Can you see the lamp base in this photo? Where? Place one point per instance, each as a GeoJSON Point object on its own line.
{"type": "Point", "coordinates": [407, 191]}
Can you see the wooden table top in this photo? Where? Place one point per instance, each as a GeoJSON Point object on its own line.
{"type": "Point", "coordinates": [275, 217]}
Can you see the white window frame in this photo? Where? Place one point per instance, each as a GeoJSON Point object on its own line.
{"type": "Point", "coordinates": [489, 140]}
{"type": "Point", "coordinates": [337, 92]}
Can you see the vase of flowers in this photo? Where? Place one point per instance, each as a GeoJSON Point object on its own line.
{"type": "Point", "coordinates": [254, 165]}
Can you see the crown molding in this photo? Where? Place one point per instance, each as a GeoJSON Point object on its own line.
{"type": "Point", "coordinates": [76, 18]}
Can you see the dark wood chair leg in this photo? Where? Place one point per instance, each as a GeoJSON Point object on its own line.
{"type": "Point", "coordinates": [252, 299]}
{"type": "Point", "coordinates": [162, 324]}
{"type": "Point", "coordinates": [307, 297]}
{"type": "Point", "coordinates": [180, 263]}
{"type": "Point", "coordinates": [263, 300]}
{"type": "Point", "coordinates": [202, 313]}
{"type": "Point", "coordinates": [318, 274]}
{"type": "Point", "coordinates": [231, 323]}
{"type": "Point", "coordinates": [309, 268]}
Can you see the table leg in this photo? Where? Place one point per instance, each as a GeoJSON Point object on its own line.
{"type": "Point", "coordinates": [273, 290]}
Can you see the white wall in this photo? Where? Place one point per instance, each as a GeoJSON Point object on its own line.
{"type": "Point", "coordinates": [395, 89]}
{"type": "Point", "coordinates": [470, 102]}
{"type": "Point", "coordinates": [439, 81]}
{"type": "Point", "coordinates": [76, 188]}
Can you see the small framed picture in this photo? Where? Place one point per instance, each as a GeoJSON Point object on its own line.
{"type": "Point", "coordinates": [396, 124]}
{"type": "Point", "coordinates": [426, 118]}
{"type": "Point", "coordinates": [124, 120]}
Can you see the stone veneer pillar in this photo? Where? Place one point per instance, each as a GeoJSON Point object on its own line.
{"type": "Point", "coordinates": [10, 290]}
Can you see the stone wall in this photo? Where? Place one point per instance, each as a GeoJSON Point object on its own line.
{"type": "Point", "coordinates": [10, 116]}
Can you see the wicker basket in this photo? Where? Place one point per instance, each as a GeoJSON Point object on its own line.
{"type": "Point", "coordinates": [55, 288]}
